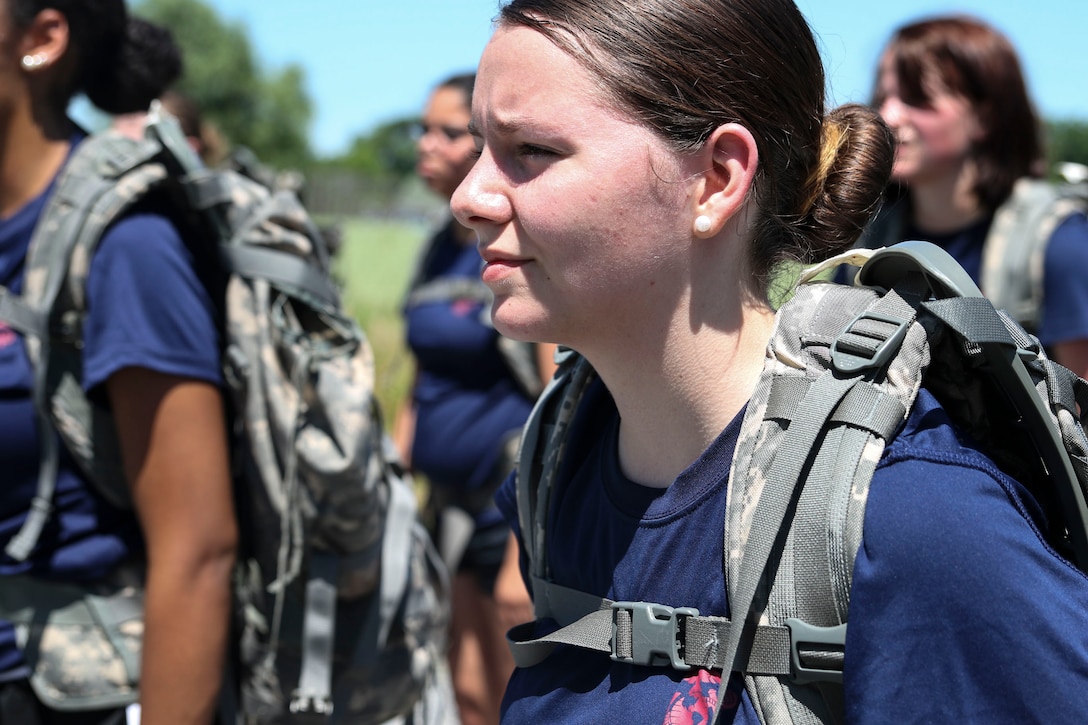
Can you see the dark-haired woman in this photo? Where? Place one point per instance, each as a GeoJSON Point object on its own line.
{"type": "Point", "coordinates": [643, 167]}
{"type": "Point", "coordinates": [467, 406]}
{"type": "Point", "coordinates": [150, 351]}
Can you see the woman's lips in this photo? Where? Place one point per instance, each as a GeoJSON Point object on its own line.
{"type": "Point", "coordinates": [498, 267]}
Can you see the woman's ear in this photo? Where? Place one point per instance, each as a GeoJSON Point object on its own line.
{"type": "Point", "coordinates": [45, 41]}
{"type": "Point", "coordinates": [730, 168]}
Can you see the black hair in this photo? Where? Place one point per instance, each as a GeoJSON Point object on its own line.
{"type": "Point", "coordinates": [463, 82]}
{"type": "Point", "coordinates": [121, 63]}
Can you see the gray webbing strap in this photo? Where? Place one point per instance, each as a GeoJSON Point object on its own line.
{"type": "Point", "coordinates": [280, 268]}
{"type": "Point", "coordinates": [41, 506]}
{"type": "Point", "coordinates": [397, 547]}
{"type": "Point", "coordinates": [864, 406]}
{"type": "Point", "coordinates": [642, 633]}
{"type": "Point", "coordinates": [314, 694]}
{"type": "Point", "coordinates": [978, 323]}
{"type": "Point", "coordinates": [795, 450]}
{"type": "Point", "coordinates": [206, 189]}
{"type": "Point", "coordinates": [455, 529]}
{"type": "Point", "coordinates": [397, 543]}
{"type": "Point", "coordinates": [400, 534]}
{"type": "Point", "coordinates": [22, 317]}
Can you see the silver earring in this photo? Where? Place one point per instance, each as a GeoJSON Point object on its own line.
{"type": "Point", "coordinates": [702, 224]}
{"type": "Point", "coordinates": [32, 62]}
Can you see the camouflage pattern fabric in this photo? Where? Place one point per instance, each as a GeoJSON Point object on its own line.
{"type": "Point", "coordinates": [84, 646]}
{"type": "Point", "coordinates": [315, 475]}
{"type": "Point", "coordinates": [1015, 249]}
{"type": "Point", "coordinates": [800, 349]}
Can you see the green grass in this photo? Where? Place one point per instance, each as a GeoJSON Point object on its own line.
{"type": "Point", "coordinates": [373, 264]}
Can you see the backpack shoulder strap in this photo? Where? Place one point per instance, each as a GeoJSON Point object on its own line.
{"type": "Point", "coordinates": [1017, 241]}
{"type": "Point", "coordinates": [887, 350]}
{"type": "Point", "coordinates": [641, 633]}
{"type": "Point", "coordinates": [836, 386]}
{"type": "Point", "coordinates": [105, 175]}
{"type": "Point", "coordinates": [543, 442]}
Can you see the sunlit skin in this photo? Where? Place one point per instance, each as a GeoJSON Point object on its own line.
{"type": "Point", "coordinates": [443, 161]}
{"type": "Point", "coordinates": [933, 144]}
{"type": "Point", "coordinates": [585, 220]}
{"type": "Point", "coordinates": [562, 236]}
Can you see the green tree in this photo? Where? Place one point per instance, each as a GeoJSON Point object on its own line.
{"type": "Point", "coordinates": [1067, 141]}
{"type": "Point", "coordinates": [388, 151]}
{"type": "Point", "coordinates": [268, 112]}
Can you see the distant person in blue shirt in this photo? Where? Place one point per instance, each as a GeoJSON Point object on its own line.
{"type": "Point", "coordinates": [151, 352]}
{"type": "Point", "coordinates": [967, 143]}
{"type": "Point", "coordinates": [461, 427]}
{"type": "Point", "coordinates": [644, 167]}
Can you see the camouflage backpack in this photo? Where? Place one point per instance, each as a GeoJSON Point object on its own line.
{"type": "Point", "coordinates": [1016, 242]}
{"type": "Point", "coordinates": [842, 370]}
{"type": "Point", "coordinates": [341, 603]}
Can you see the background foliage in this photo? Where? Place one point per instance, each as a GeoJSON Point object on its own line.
{"type": "Point", "coordinates": [267, 110]}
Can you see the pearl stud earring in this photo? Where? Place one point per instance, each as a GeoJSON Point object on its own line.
{"type": "Point", "coordinates": [702, 224]}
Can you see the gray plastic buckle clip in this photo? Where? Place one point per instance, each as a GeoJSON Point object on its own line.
{"type": "Point", "coordinates": [829, 641]}
{"type": "Point", "coordinates": [848, 358]}
{"type": "Point", "coordinates": [655, 634]}
{"type": "Point", "coordinates": [303, 704]}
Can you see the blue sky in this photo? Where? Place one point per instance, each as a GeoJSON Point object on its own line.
{"type": "Point", "coordinates": [370, 61]}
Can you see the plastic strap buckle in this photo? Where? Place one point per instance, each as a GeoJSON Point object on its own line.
{"type": "Point", "coordinates": [828, 643]}
{"type": "Point", "coordinates": [655, 634]}
{"type": "Point", "coordinates": [848, 356]}
{"type": "Point", "coordinates": [301, 704]}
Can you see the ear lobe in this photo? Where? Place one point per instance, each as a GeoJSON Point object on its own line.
{"type": "Point", "coordinates": [46, 38]}
{"type": "Point", "coordinates": [730, 173]}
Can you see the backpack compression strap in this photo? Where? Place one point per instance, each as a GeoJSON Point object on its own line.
{"type": "Point", "coordinates": [84, 201]}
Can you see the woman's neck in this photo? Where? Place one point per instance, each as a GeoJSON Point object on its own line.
{"type": "Point", "coordinates": [945, 205]}
{"type": "Point", "coordinates": [30, 156]}
{"type": "Point", "coordinates": [676, 395]}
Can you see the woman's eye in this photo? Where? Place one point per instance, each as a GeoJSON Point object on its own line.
{"type": "Point", "coordinates": [533, 150]}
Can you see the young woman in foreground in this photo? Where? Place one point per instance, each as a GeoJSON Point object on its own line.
{"type": "Point", "coordinates": [644, 167]}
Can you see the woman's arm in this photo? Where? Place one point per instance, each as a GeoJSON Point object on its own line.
{"type": "Point", "coordinates": [511, 597]}
{"type": "Point", "coordinates": [1073, 355]}
{"type": "Point", "coordinates": [174, 447]}
{"type": "Point", "coordinates": [404, 424]}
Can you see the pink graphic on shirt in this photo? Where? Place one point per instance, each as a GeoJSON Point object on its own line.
{"type": "Point", "coordinates": [7, 335]}
{"type": "Point", "coordinates": [463, 308]}
{"type": "Point", "coordinates": [696, 700]}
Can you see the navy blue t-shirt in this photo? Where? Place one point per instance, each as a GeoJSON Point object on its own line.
{"type": "Point", "coordinates": [466, 399]}
{"type": "Point", "coordinates": [148, 308]}
{"type": "Point", "coordinates": [960, 612]}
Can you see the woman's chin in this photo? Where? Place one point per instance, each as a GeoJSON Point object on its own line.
{"type": "Point", "coordinates": [516, 321]}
